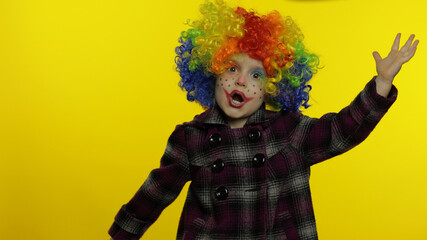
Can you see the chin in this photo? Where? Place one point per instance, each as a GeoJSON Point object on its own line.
{"type": "Point", "coordinates": [235, 115]}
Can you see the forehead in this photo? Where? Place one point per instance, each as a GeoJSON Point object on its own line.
{"type": "Point", "coordinates": [243, 59]}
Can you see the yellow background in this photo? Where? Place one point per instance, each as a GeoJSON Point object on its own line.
{"type": "Point", "coordinates": [89, 96]}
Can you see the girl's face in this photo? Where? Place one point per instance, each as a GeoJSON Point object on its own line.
{"type": "Point", "coordinates": [239, 91]}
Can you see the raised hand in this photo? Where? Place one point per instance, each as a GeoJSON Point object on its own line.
{"type": "Point", "coordinates": [387, 68]}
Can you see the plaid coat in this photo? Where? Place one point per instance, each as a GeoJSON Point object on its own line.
{"type": "Point", "coordinates": [251, 182]}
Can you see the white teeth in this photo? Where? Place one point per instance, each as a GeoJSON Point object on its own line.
{"type": "Point", "coordinates": [236, 102]}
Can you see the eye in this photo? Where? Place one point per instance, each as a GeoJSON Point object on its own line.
{"type": "Point", "coordinates": [257, 75]}
{"type": "Point", "coordinates": [232, 69]}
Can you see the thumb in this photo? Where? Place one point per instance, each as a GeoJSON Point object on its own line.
{"type": "Point", "coordinates": [377, 56]}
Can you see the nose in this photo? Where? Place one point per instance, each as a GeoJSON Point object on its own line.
{"type": "Point", "coordinates": [241, 81]}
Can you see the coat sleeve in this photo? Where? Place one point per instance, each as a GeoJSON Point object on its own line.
{"type": "Point", "coordinates": [336, 133]}
{"type": "Point", "coordinates": [160, 189]}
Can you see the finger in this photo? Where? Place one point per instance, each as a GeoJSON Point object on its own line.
{"type": "Point", "coordinates": [413, 49]}
{"type": "Point", "coordinates": [396, 43]}
{"type": "Point", "coordinates": [377, 56]}
{"type": "Point", "coordinates": [408, 43]}
{"type": "Point", "coordinates": [415, 44]}
{"type": "Point", "coordinates": [411, 52]}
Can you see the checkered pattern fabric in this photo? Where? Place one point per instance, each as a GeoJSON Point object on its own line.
{"type": "Point", "coordinates": [250, 182]}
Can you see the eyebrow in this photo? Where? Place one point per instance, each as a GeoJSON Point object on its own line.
{"type": "Point", "coordinates": [259, 69]}
{"type": "Point", "coordinates": [236, 62]}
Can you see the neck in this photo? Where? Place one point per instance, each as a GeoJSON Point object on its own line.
{"type": "Point", "coordinates": [237, 122]}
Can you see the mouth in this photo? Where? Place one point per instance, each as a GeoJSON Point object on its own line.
{"type": "Point", "coordinates": [237, 99]}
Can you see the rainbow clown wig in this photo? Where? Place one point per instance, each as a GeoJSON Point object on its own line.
{"type": "Point", "coordinates": [222, 31]}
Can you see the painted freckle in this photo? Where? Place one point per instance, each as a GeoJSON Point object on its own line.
{"type": "Point", "coordinates": [222, 84]}
{"type": "Point", "coordinates": [229, 85]}
{"type": "Point", "coordinates": [254, 92]}
{"type": "Point", "coordinates": [248, 90]}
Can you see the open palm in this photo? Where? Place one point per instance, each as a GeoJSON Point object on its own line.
{"type": "Point", "coordinates": [388, 67]}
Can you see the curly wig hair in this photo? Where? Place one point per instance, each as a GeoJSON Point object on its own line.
{"type": "Point", "coordinates": [223, 31]}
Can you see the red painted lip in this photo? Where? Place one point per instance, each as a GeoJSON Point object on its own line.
{"type": "Point", "coordinates": [234, 104]}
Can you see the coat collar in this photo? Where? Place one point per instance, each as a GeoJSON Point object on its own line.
{"type": "Point", "coordinates": [216, 116]}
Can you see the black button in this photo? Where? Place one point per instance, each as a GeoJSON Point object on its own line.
{"type": "Point", "coordinates": [254, 135]}
{"type": "Point", "coordinates": [214, 139]}
{"type": "Point", "coordinates": [221, 193]}
{"type": "Point", "coordinates": [258, 160]}
{"type": "Point", "coordinates": [217, 166]}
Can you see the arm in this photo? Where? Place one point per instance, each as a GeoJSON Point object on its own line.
{"type": "Point", "coordinates": [335, 133]}
{"type": "Point", "coordinates": [160, 189]}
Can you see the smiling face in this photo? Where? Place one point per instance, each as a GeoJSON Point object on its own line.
{"type": "Point", "coordinates": [239, 91]}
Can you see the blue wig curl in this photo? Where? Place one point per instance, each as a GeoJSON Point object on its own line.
{"type": "Point", "coordinates": [293, 96]}
{"type": "Point", "coordinates": [197, 82]}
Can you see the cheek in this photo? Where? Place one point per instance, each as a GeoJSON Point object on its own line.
{"type": "Point", "coordinates": [255, 91]}
{"type": "Point", "coordinates": [219, 86]}
{"type": "Point", "coordinates": [224, 82]}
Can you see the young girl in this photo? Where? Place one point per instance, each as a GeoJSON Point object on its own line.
{"type": "Point", "coordinates": [249, 167]}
